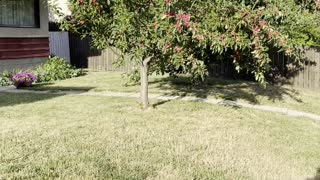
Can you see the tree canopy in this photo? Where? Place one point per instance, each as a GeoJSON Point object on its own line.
{"type": "Point", "coordinates": [170, 35]}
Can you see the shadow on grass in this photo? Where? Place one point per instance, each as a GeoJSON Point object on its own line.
{"type": "Point", "coordinates": [49, 87]}
{"type": "Point", "coordinates": [226, 90]}
{"type": "Point", "coordinates": [159, 103]}
{"type": "Point", "coordinates": [229, 90]}
{"type": "Point", "coordinates": [11, 99]}
{"type": "Point", "coordinates": [317, 177]}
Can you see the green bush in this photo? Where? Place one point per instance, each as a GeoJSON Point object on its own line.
{"type": "Point", "coordinates": [5, 78]}
{"type": "Point", "coordinates": [4, 81]}
{"type": "Point", "coordinates": [56, 69]}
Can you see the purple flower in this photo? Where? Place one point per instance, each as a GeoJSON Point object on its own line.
{"type": "Point", "coordinates": [23, 79]}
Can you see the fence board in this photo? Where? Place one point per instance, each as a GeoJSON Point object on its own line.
{"type": "Point", "coordinates": [317, 69]}
{"type": "Point", "coordinates": [305, 72]}
{"type": "Point", "coordinates": [59, 44]}
{"type": "Point", "coordinates": [104, 60]}
{"type": "Point", "coordinates": [317, 58]}
{"type": "Point", "coordinates": [312, 74]}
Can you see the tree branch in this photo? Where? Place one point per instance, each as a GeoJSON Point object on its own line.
{"type": "Point", "coordinates": [146, 60]}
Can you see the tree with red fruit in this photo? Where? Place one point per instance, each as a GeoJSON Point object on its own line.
{"type": "Point", "coordinates": [170, 35]}
{"type": "Point", "coordinates": [155, 34]}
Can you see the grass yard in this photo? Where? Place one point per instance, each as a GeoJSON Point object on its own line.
{"type": "Point", "coordinates": [241, 91]}
{"type": "Point", "coordinates": [71, 137]}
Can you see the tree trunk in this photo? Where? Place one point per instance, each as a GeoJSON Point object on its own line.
{"type": "Point", "coordinates": [144, 82]}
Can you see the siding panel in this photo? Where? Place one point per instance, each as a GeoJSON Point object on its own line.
{"type": "Point", "coordinates": [18, 48]}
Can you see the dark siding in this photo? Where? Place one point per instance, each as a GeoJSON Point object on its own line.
{"type": "Point", "coordinates": [20, 48]}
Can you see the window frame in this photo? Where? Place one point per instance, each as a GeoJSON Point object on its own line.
{"type": "Point", "coordinates": [36, 17]}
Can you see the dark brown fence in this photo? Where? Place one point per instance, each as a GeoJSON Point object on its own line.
{"type": "Point", "coordinates": [303, 75]}
{"type": "Point", "coordinates": [306, 75]}
{"type": "Point", "coordinates": [105, 60]}
{"type": "Point", "coordinates": [84, 56]}
{"type": "Point", "coordinates": [79, 51]}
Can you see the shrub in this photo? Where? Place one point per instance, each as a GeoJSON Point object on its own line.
{"type": "Point", "coordinates": [56, 69]}
{"type": "Point", "coordinates": [5, 78]}
{"type": "Point", "coordinates": [23, 79]}
{"type": "Point", "coordinates": [4, 81]}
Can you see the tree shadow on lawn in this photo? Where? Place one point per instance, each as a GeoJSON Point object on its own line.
{"type": "Point", "coordinates": [16, 98]}
{"type": "Point", "coordinates": [229, 90]}
{"type": "Point", "coordinates": [317, 177]}
{"type": "Point", "coordinates": [50, 88]}
{"type": "Point", "coordinates": [12, 99]}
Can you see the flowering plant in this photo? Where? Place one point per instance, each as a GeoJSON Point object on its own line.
{"type": "Point", "coordinates": [23, 79]}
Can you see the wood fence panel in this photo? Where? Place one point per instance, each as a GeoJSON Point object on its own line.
{"type": "Point", "coordinates": [307, 76]}
{"type": "Point", "coordinates": [301, 76]}
{"type": "Point", "coordinates": [305, 73]}
{"type": "Point", "coordinates": [79, 51]}
{"type": "Point", "coordinates": [312, 71]}
{"type": "Point", "coordinates": [317, 69]}
{"type": "Point", "coordinates": [59, 45]}
{"type": "Point", "coordinates": [295, 78]}
{"type": "Point", "coordinates": [104, 60]}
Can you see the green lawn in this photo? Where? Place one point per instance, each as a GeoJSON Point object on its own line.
{"type": "Point", "coordinates": [241, 91]}
{"type": "Point", "coordinates": [71, 137]}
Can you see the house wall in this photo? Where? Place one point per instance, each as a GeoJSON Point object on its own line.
{"type": "Point", "coordinates": [6, 32]}
{"type": "Point", "coordinates": [20, 64]}
{"type": "Point", "coordinates": [24, 48]}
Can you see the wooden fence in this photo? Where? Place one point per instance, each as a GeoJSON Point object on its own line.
{"type": "Point", "coordinates": [105, 60]}
{"type": "Point", "coordinates": [79, 51]}
{"type": "Point", "coordinates": [59, 45]}
{"type": "Point", "coordinates": [84, 56]}
{"type": "Point", "coordinates": [285, 71]}
{"type": "Point", "coordinates": [306, 75]}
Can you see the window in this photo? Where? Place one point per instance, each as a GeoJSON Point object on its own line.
{"type": "Point", "coordinates": [19, 13]}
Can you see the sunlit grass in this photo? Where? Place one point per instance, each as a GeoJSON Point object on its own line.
{"type": "Point", "coordinates": [72, 137]}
